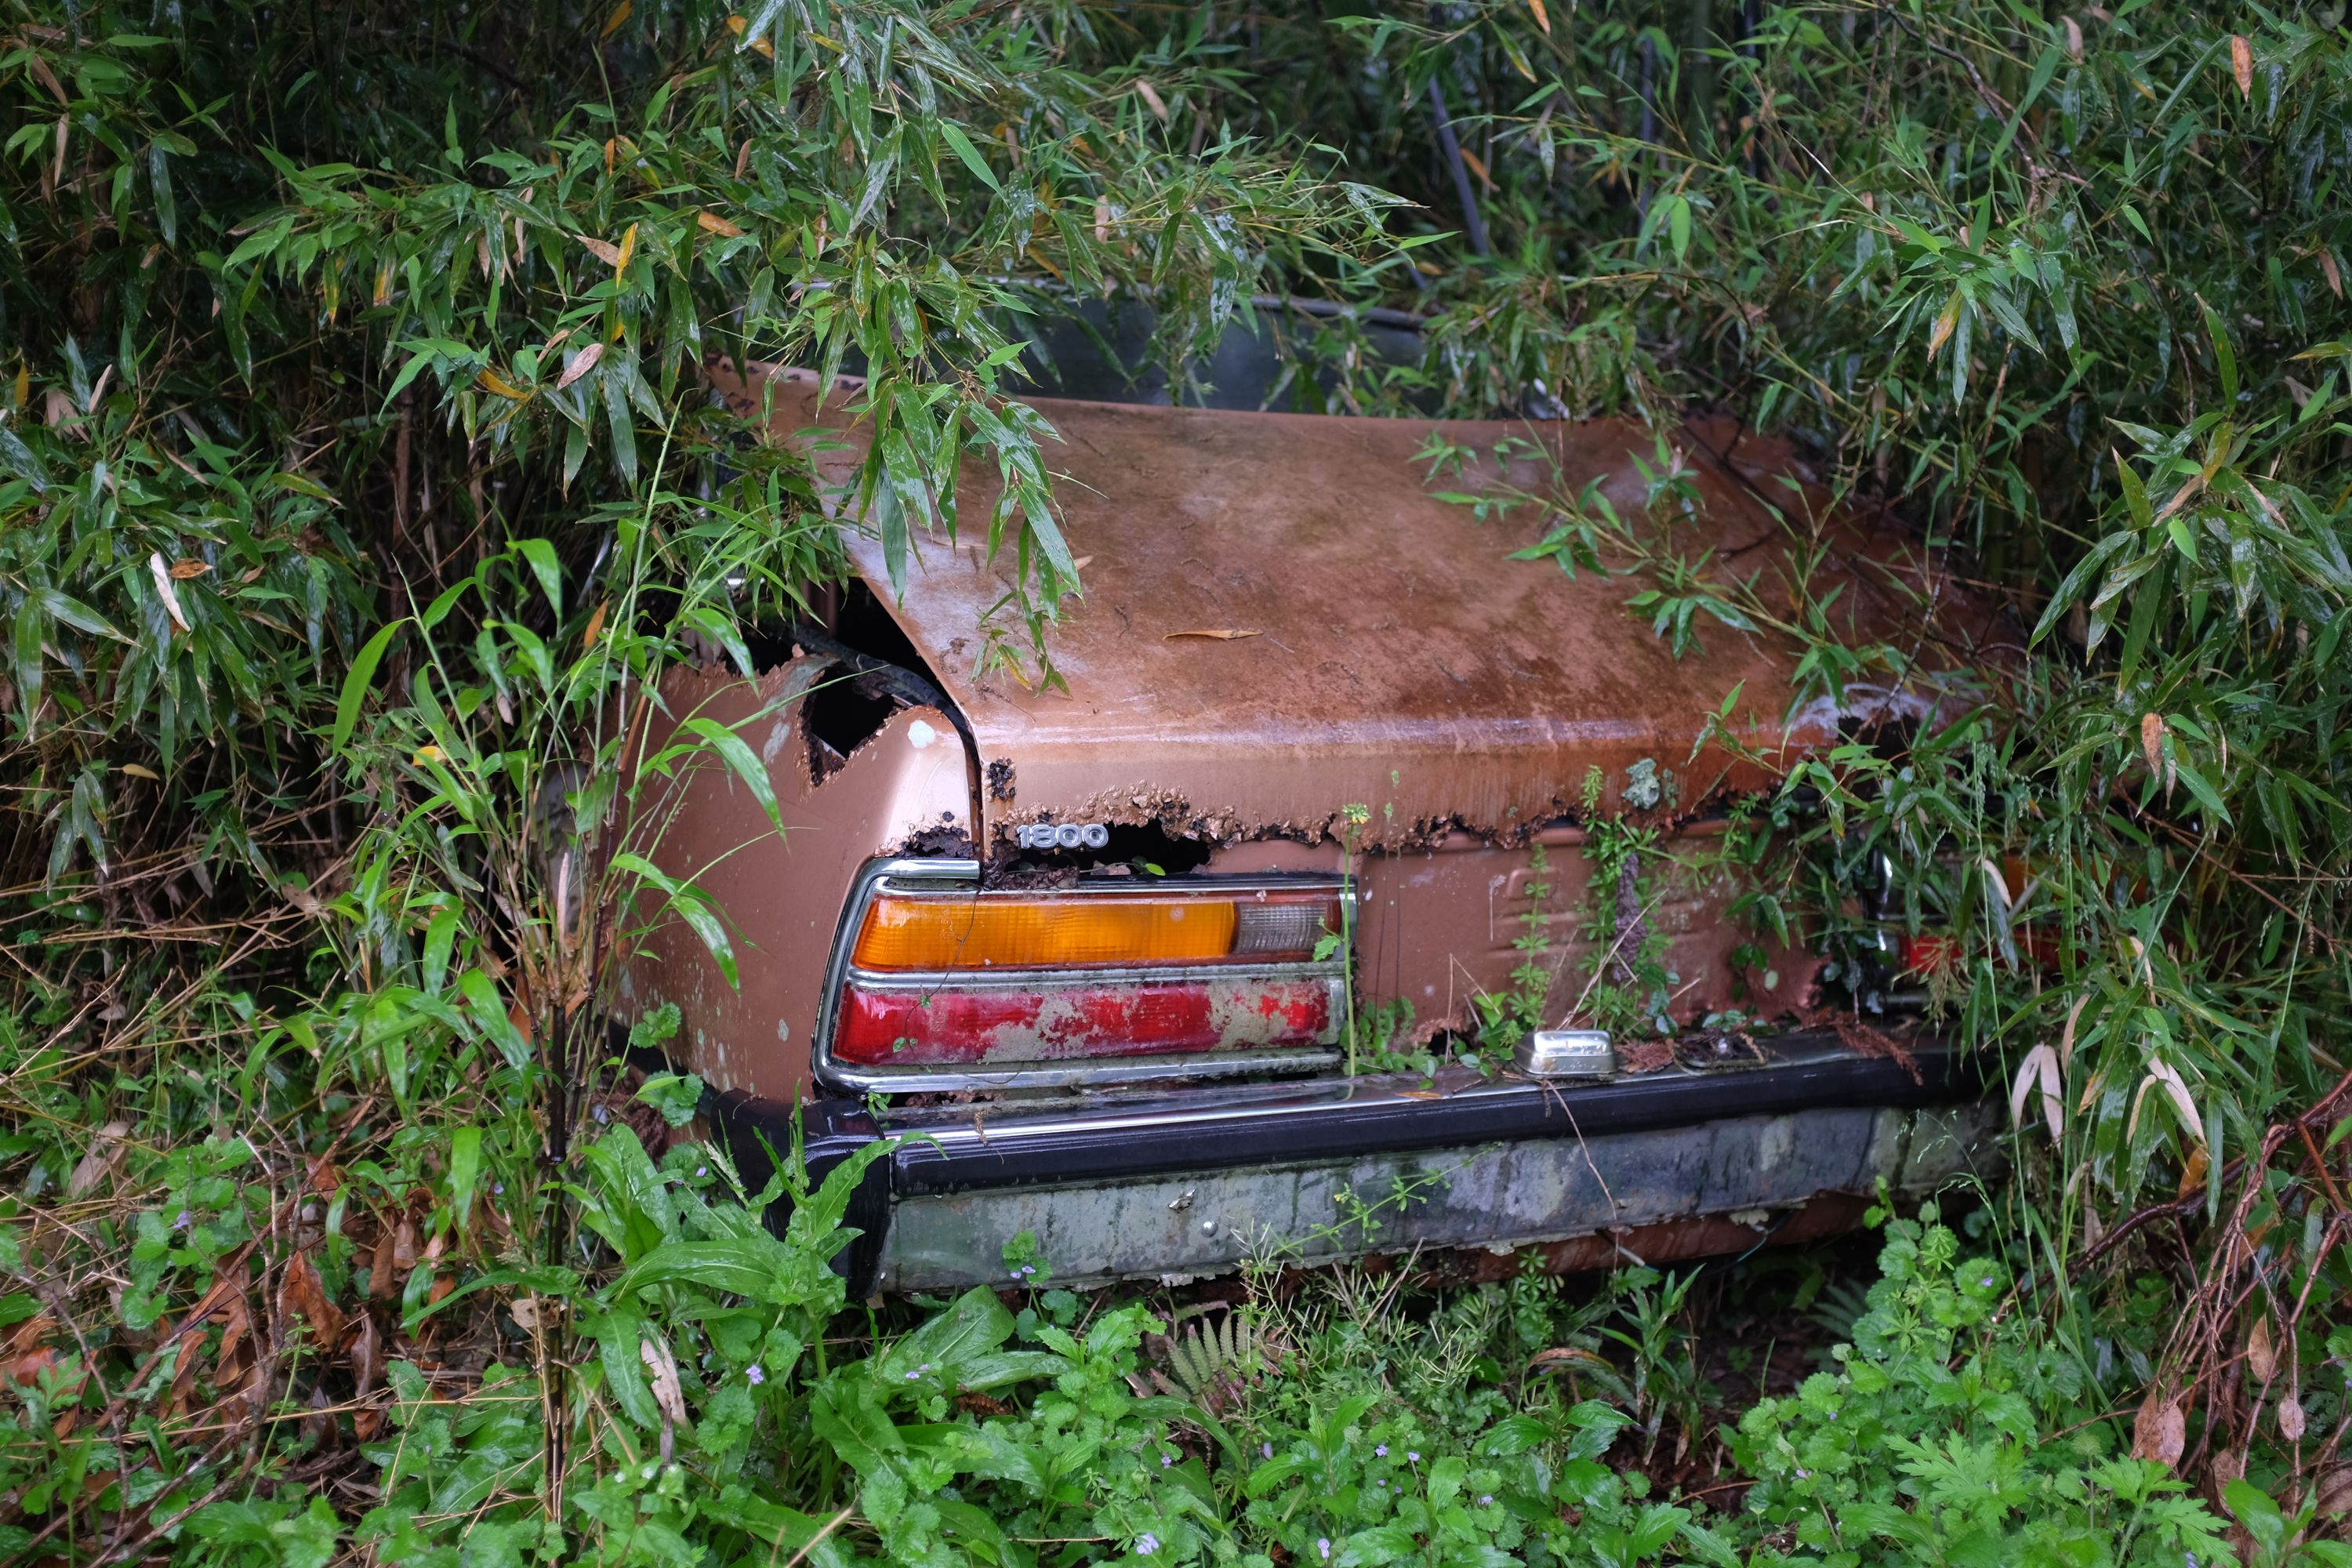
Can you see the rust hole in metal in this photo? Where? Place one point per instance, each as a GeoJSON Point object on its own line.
{"type": "Point", "coordinates": [850, 706]}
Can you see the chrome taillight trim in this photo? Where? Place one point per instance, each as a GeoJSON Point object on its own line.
{"type": "Point", "coordinates": [905, 875]}
{"type": "Point", "coordinates": [993, 979]}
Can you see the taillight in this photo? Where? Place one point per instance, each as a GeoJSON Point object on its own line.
{"type": "Point", "coordinates": [1062, 1022]}
{"type": "Point", "coordinates": [1074, 930]}
{"type": "Point", "coordinates": [1928, 955]}
{"type": "Point", "coordinates": [938, 974]}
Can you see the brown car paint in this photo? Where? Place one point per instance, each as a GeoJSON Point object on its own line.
{"type": "Point", "coordinates": [1396, 661]}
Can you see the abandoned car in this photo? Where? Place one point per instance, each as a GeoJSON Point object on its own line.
{"type": "Point", "coordinates": [1156, 976]}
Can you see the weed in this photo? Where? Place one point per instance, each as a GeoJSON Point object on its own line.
{"type": "Point", "coordinates": [1952, 1431]}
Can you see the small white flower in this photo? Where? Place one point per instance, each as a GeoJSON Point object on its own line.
{"type": "Point", "coordinates": [755, 1374]}
{"type": "Point", "coordinates": [1488, 1501]}
{"type": "Point", "coordinates": [1147, 1543]}
{"type": "Point", "coordinates": [1414, 1453]}
{"type": "Point", "coordinates": [1323, 1545]}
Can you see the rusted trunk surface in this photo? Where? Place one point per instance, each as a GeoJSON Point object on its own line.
{"type": "Point", "coordinates": [1393, 658]}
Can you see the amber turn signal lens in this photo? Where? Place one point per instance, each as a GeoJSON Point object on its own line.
{"type": "Point", "coordinates": [976, 934]}
{"type": "Point", "coordinates": [1065, 930]}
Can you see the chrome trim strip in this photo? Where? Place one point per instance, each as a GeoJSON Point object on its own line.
{"type": "Point", "coordinates": [908, 875]}
{"type": "Point", "coordinates": [1090, 1074]}
{"type": "Point", "coordinates": [967, 1134]}
{"type": "Point", "coordinates": [1219, 888]}
{"type": "Point", "coordinates": [1274, 1103]}
{"type": "Point", "coordinates": [993, 979]}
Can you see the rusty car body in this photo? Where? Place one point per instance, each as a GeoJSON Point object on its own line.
{"type": "Point", "coordinates": [1090, 955]}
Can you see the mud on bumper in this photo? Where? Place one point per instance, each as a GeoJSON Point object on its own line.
{"type": "Point", "coordinates": [1201, 1180]}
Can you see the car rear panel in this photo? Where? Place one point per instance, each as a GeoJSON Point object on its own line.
{"type": "Point", "coordinates": [1296, 674]}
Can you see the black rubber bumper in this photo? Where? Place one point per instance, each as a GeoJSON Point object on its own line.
{"type": "Point", "coordinates": [1221, 1127]}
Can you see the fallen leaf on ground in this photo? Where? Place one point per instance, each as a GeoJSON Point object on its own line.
{"type": "Point", "coordinates": [301, 1294]}
{"type": "Point", "coordinates": [105, 1153]}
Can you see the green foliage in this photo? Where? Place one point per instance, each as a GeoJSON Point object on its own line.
{"type": "Point", "coordinates": [1950, 1433]}
{"type": "Point", "coordinates": [360, 481]}
{"type": "Point", "coordinates": [1505, 1017]}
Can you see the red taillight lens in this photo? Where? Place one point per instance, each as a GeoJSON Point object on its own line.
{"type": "Point", "coordinates": [1938, 955]}
{"type": "Point", "coordinates": [1061, 930]}
{"type": "Point", "coordinates": [1054, 1022]}
{"type": "Point", "coordinates": [1928, 955]}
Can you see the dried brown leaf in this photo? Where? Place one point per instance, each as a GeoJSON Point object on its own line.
{"type": "Point", "coordinates": [105, 1153]}
{"type": "Point", "coordinates": [2260, 1359]}
{"type": "Point", "coordinates": [2291, 1418]}
{"type": "Point", "coordinates": [610, 255]}
{"type": "Point", "coordinates": [736, 24]}
{"type": "Point", "coordinates": [367, 1371]}
{"type": "Point", "coordinates": [301, 1294]}
{"type": "Point", "coordinates": [613, 23]}
{"type": "Point", "coordinates": [185, 568]}
{"type": "Point", "coordinates": [1543, 18]}
{"type": "Point", "coordinates": [662, 1368]}
{"type": "Point", "coordinates": [1151, 97]}
{"type": "Point", "coordinates": [2151, 741]}
{"type": "Point", "coordinates": [2067, 1040]}
{"type": "Point", "coordinates": [48, 77]}
{"type": "Point", "coordinates": [2192, 1172]}
{"type": "Point", "coordinates": [2037, 1078]}
{"type": "Point", "coordinates": [2161, 1430]}
{"type": "Point", "coordinates": [1946, 321]}
{"type": "Point", "coordinates": [713, 224]}
{"type": "Point", "coordinates": [367, 1356]}
{"type": "Point", "coordinates": [166, 591]}
{"type": "Point", "coordinates": [2073, 39]}
{"type": "Point", "coordinates": [2242, 64]}
{"type": "Point", "coordinates": [579, 364]}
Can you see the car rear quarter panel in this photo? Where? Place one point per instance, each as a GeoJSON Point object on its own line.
{"type": "Point", "coordinates": [780, 897]}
